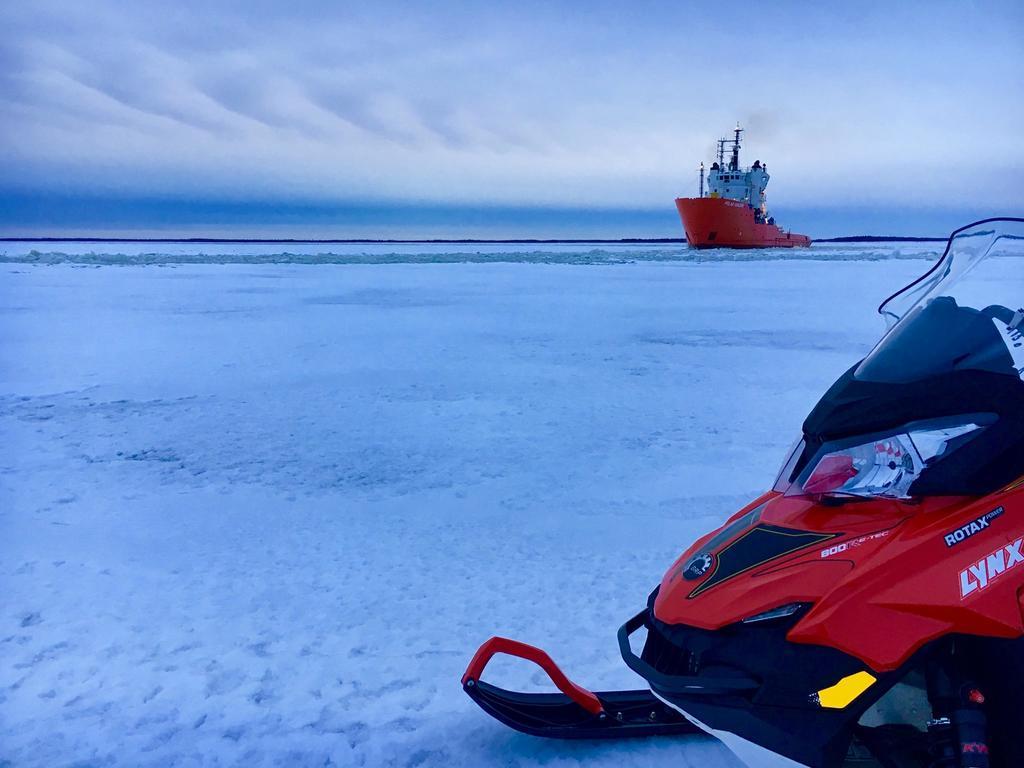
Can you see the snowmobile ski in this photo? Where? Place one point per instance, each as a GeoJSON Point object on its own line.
{"type": "Point", "coordinates": [575, 712]}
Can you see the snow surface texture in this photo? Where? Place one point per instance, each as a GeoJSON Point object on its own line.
{"type": "Point", "coordinates": [264, 514]}
{"type": "Point", "coordinates": [440, 253]}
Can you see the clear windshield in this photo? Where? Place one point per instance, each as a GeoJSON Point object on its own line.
{"type": "Point", "coordinates": [964, 314]}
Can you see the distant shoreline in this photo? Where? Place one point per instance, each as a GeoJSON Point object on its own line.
{"type": "Point", "coordinates": [880, 239]}
{"type": "Point", "coordinates": [370, 241]}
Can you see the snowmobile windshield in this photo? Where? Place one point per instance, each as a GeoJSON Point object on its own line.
{"type": "Point", "coordinates": [963, 314]}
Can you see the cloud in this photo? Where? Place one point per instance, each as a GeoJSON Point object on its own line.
{"type": "Point", "coordinates": [531, 104]}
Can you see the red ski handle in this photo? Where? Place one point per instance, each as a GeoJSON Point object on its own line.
{"type": "Point", "coordinates": [496, 645]}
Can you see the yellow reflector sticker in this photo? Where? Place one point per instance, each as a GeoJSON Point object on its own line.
{"type": "Point", "coordinates": [845, 691]}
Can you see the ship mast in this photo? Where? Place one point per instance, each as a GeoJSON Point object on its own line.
{"type": "Point", "coordinates": [702, 179]}
{"type": "Point", "coordinates": [734, 163]}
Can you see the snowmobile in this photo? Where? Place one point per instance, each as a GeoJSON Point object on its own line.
{"type": "Point", "coordinates": [868, 610]}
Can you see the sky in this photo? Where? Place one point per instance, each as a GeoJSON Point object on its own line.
{"type": "Point", "coordinates": [452, 119]}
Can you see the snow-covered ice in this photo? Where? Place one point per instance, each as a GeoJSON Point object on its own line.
{"type": "Point", "coordinates": [262, 514]}
{"type": "Point", "coordinates": [142, 253]}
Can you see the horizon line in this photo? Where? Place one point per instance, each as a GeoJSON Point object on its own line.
{"type": "Point", "coordinates": [427, 241]}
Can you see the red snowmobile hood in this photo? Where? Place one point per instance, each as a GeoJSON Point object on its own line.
{"type": "Point", "coordinates": [881, 575]}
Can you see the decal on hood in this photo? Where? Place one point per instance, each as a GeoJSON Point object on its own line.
{"type": "Point", "coordinates": [980, 575]}
{"type": "Point", "coordinates": [698, 566]}
{"type": "Point", "coordinates": [852, 544]}
{"type": "Point", "coordinates": [759, 545]}
{"type": "Point", "coordinates": [965, 532]}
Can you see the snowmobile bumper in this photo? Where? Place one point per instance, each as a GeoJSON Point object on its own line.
{"type": "Point", "coordinates": [575, 712]}
{"type": "Point", "coordinates": [749, 681]}
{"type": "Point", "coordinates": [691, 685]}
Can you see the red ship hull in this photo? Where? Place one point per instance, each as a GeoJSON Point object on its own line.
{"type": "Point", "coordinates": [717, 222]}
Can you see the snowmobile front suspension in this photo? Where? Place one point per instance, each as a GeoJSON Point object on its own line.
{"type": "Point", "coordinates": [958, 728]}
{"type": "Point", "coordinates": [575, 712]}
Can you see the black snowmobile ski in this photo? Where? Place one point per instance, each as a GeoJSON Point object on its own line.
{"type": "Point", "coordinates": [575, 713]}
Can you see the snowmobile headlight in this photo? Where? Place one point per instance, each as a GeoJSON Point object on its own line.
{"type": "Point", "coordinates": [775, 613]}
{"type": "Point", "coordinates": [885, 466]}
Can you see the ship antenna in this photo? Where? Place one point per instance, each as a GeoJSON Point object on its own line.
{"type": "Point", "coordinates": [721, 153]}
{"type": "Point", "coordinates": [702, 179]}
{"type": "Point", "coordinates": [734, 164]}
